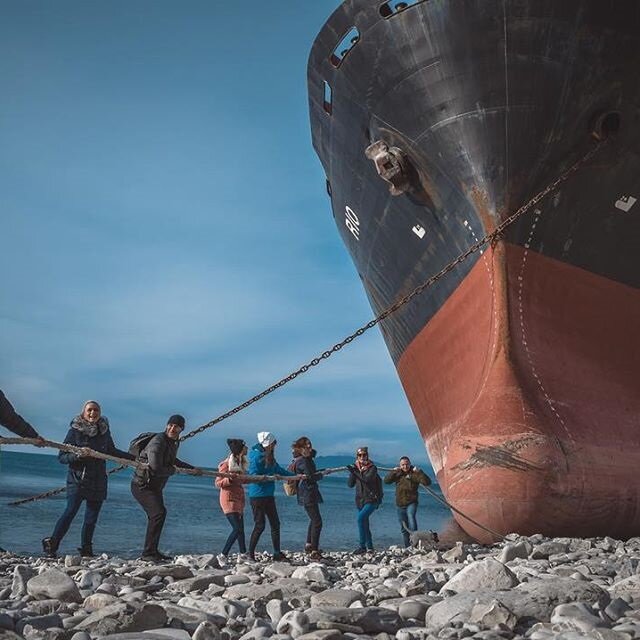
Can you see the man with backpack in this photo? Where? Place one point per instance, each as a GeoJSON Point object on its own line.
{"type": "Point", "coordinates": [159, 451]}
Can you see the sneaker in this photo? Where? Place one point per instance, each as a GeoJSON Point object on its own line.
{"type": "Point", "coordinates": [241, 557]}
{"type": "Point", "coordinates": [359, 551]}
{"type": "Point", "coordinates": [49, 547]}
{"type": "Point", "coordinates": [162, 557]}
{"type": "Point", "coordinates": [315, 555]}
{"type": "Point", "coordinates": [251, 557]}
{"type": "Point", "coordinates": [222, 560]}
{"type": "Point", "coordinates": [280, 557]}
{"type": "Point", "coordinates": [86, 552]}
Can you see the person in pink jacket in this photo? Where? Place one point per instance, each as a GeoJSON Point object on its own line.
{"type": "Point", "coordinates": [232, 493]}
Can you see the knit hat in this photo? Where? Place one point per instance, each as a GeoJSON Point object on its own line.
{"type": "Point", "coordinates": [236, 445]}
{"type": "Point", "coordinates": [177, 419]}
{"type": "Point", "coordinates": [266, 438]}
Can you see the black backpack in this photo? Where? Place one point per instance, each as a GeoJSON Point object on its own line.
{"type": "Point", "coordinates": [139, 443]}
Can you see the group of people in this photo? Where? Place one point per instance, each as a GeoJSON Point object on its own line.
{"type": "Point", "coordinates": [87, 482]}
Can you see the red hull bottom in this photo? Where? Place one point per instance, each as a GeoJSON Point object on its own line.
{"type": "Point", "coordinates": [526, 389]}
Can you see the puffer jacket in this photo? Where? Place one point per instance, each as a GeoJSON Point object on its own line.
{"type": "Point", "coordinates": [259, 467]}
{"type": "Point", "coordinates": [14, 421]}
{"type": "Point", "coordinates": [407, 484]}
{"type": "Point", "coordinates": [368, 485]}
{"type": "Point", "coordinates": [231, 491]}
{"type": "Point", "coordinates": [161, 454]}
{"type": "Point", "coordinates": [88, 476]}
{"type": "Point", "coordinates": [308, 490]}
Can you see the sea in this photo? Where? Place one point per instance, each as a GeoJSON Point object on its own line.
{"type": "Point", "coordinates": [195, 522]}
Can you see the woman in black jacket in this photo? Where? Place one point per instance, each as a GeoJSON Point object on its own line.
{"type": "Point", "coordinates": [86, 478]}
{"type": "Point", "coordinates": [308, 492]}
{"type": "Point", "coordinates": [364, 477]}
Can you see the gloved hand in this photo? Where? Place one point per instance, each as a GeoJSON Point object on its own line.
{"type": "Point", "coordinates": [351, 468]}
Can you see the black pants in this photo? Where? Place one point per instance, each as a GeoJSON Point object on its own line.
{"type": "Point", "coordinates": [236, 520]}
{"type": "Point", "coordinates": [153, 504]}
{"type": "Point", "coordinates": [315, 526]}
{"type": "Point", "coordinates": [262, 507]}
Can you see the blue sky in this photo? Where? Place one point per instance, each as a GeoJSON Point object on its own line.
{"type": "Point", "coordinates": [167, 242]}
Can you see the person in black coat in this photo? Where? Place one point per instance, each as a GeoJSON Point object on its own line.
{"type": "Point", "coordinates": [86, 477]}
{"type": "Point", "coordinates": [364, 477]}
{"type": "Point", "coordinates": [14, 421]}
{"type": "Point", "coordinates": [147, 485]}
{"type": "Point", "coordinates": [309, 495]}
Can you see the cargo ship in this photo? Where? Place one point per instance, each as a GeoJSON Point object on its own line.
{"type": "Point", "coordinates": [434, 120]}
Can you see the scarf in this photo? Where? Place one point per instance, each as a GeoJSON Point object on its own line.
{"type": "Point", "coordinates": [90, 429]}
{"type": "Point", "coordinates": [234, 467]}
{"type": "Point", "coordinates": [363, 466]}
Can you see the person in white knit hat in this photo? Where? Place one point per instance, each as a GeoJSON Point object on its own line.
{"type": "Point", "coordinates": [261, 495]}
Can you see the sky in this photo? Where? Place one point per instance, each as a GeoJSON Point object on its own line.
{"type": "Point", "coordinates": [167, 243]}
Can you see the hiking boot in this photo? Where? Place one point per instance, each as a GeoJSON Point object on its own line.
{"type": "Point", "coordinates": [86, 552]}
{"type": "Point", "coordinates": [359, 551]}
{"type": "Point", "coordinates": [280, 557]}
{"type": "Point", "coordinates": [49, 547]}
{"type": "Point", "coordinates": [222, 560]}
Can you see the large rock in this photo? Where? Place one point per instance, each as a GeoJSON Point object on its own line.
{"type": "Point", "coordinates": [97, 601]}
{"type": "Point", "coordinates": [369, 619]}
{"type": "Point", "coordinates": [216, 606]}
{"type": "Point", "coordinates": [199, 582]}
{"type": "Point", "coordinates": [336, 598]}
{"type": "Point", "coordinates": [279, 570]}
{"type": "Point", "coordinates": [54, 584]}
{"type": "Point", "coordinates": [255, 592]}
{"type": "Point", "coordinates": [206, 631]}
{"type": "Point", "coordinates": [576, 615]}
{"type": "Point", "coordinates": [492, 615]}
{"type": "Point", "coordinates": [276, 609]}
{"type": "Point", "coordinates": [538, 597]}
{"type": "Point", "coordinates": [124, 617]}
{"type": "Point", "coordinates": [322, 634]}
{"type": "Point", "coordinates": [545, 549]}
{"type": "Point", "coordinates": [482, 574]}
{"type": "Point", "coordinates": [513, 550]}
{"type": "Point", "coordinates": [293, 623]}
{"type": "Point", "coordinates": [39, 622]}
{"type": "Point", "coordinates": [627, 587]}
{"type": "Point", "coordinates": [313, 572]}
{"type": "Point", "coordinates": [22, 573]}
{"type": "Point", "coordinates": [176, 571]}
{"type": "Point", "coordinates": [192, 617]}
{"type": "Point", "coordinates": [413, 610]}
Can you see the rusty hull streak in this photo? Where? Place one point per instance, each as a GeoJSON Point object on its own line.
{"type": "Point", "coordinates": [505, 456]}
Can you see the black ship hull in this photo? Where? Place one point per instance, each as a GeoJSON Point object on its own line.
{"type": "Point", "coordinates": [522, 364]}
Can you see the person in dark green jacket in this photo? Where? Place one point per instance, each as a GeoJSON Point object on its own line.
{"type": "Point", "coordinates": [407, 479]}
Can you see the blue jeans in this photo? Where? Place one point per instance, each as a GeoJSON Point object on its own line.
{"type": "Point", "coordinates": [407, 517]}
{"type": "Point", "coordinates": [236, 520]}
{"type": "Point", "coordinates": [91, 513]}
{"type": "Point", "coordinates": [364, 530]}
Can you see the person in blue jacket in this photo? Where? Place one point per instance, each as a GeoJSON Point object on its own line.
{"type": "Point", "coordinates": [86, 477]}
{"type": "Point", "coordinates": [261, 495]}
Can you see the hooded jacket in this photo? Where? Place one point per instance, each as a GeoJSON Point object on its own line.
{"type": "Point", "coordinates": [259, 467]}
{"type": "Point", "coordinates": [407, 484]}
{"type": "Point", "coordinates": [88, 476]}
{"type": "Point", "coordinates": [14, 421]}
{"type": "Point", "coordinates": [161, 454]}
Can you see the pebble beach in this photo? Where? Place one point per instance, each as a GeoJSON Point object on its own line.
{"type": "Point", "coordinates": [524, 587]}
